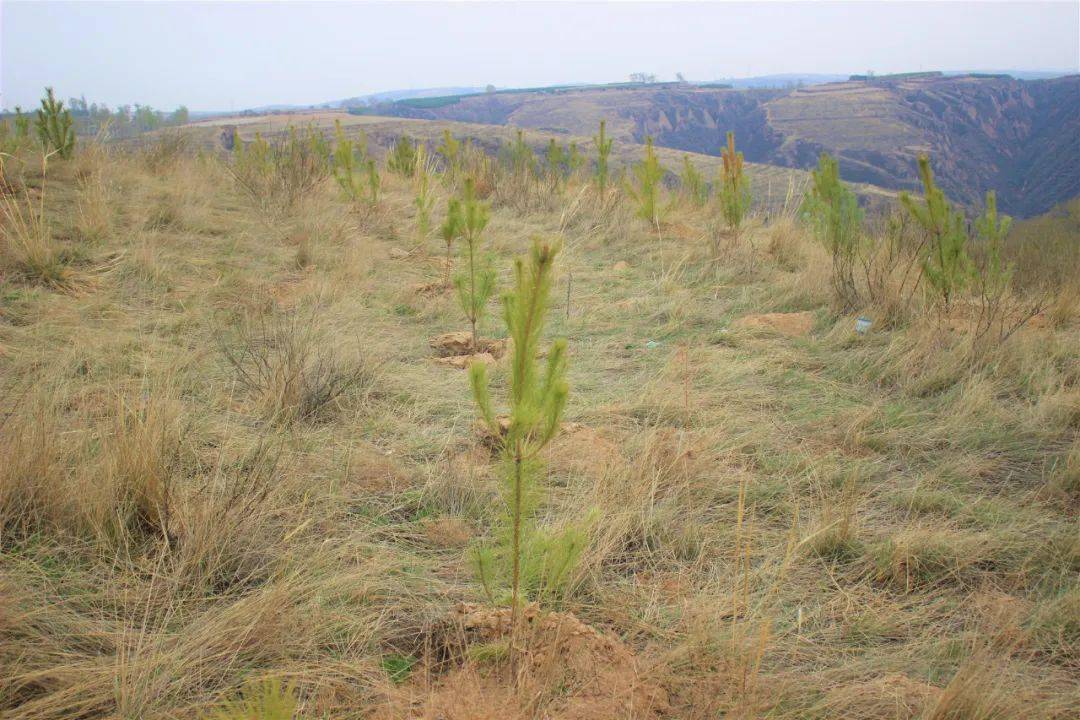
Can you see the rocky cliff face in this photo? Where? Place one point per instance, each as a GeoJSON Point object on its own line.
{"type": "Point", "coordinates": [1019, 138]}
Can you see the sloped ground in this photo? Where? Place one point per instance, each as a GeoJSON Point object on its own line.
{"type": "Point", "coordinates": [783, 525]}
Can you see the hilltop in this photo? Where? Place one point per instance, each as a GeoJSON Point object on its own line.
{"type": "Point", "coordinates": [1018, 137]}
{"type": "Point", "coordinates": [244, 468]}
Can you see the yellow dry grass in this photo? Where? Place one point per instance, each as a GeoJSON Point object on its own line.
{"type": "Point", "coordinates": [231, 458]}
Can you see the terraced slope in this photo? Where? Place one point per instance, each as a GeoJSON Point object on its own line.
{"type": "Point", "coordinates": [1020, 138]}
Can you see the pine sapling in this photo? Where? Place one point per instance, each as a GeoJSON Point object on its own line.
{"type": "Point", "coordinates": [22, 124]}
{"type": "Point", "coordinates": [603, 152]}
{"type": "Point", "coordinates": [734, 191]}
{"type": "Point", "coordinates": [450, 149]}
{"type": "Point", "coordinates": [451, 230]}
{"type": "Point", "coordinates": [993, 229]}
{"type": "Point", "coordinates": [424, 200]}
{"type": "Point", "coordinates": [646, 194]}
{"type": "Point", "coordinates": [575, 160]}
{"type": "Point", "coordinates": [537, 397]}
{"type": "Point", "coordinates": [519, 156]}
{"type": "Point", "coordinates": [995, 273]}
{"type": "Point", "coordinates": [693, 183]}
{"type": "Point", "coordinates": [374, 182]}
{"type": "Point", "coordinates": [556, 158]}
{"type": "Point", "coordinates": [348, 159]}
{"type": "Point", "coordinates": [835, 218]}
{"type": "Point", "coordinates": [476, 282]}
{"type": "Point", "coordinates": [54, 126]}
{"type": "Point", "coordinates": [402, 159]}
{"type": "Point", "coordinates": [946, 264]}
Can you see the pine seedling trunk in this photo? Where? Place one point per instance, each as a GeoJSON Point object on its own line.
{"type": "Point", "coordinates": [451, 230]}
{"type": "Point", "coordinates": [477, 283]}
{"type": "Point", "coordinates": [603, 152]}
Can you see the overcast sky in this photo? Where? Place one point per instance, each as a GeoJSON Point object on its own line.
{"type": "Point", "coordinates": [234, 55]}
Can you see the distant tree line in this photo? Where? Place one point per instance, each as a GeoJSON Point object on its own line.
{"type": "Point", "coordinates": [90, 118]}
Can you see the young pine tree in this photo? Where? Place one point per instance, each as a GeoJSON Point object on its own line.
{"type": "Point", "coordinates": [424, 199]}
{"type": "Point", "coordinates": [574, 161]}
{"type": "Point", "coordinates": [450, 149]}
{"type": "Point", "coordinates": [402, 159]}
{"type": "Point", "coordinates": [603, 152]}
{"type": "Point", "coordinates": [519, 156]}
{"type": "Point", "coordinates": [996, 273]}
{"type": "Point", "coordinates": [476, 282]}
{"type": "Point", "coordinates": [349, 156]}
{"type": "Point", "coordinates": [945, 263]}
{"type": "Point", "coordinates": [537, 396]}
{"type": "Point", "coordinates": [22, 125]}
{"type": "Point", "coordinates": [54, 126]}
{"type": "Point", "coordinates": [374, 182]}
{"type": "Point", "coordinates": [451, 230]}
{"type": "Point", "coordinates": [734, 190]}
{"type": "Point", "coordinates": [647, 193]}
{"type": "Point", "coordinates": [836, 220]}
{"type": "Point", "coordinates": [693, 183]}
{"type": "Point", "coordinates": [556, 158]}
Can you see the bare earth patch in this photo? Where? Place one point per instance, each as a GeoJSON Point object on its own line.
{"type": "Point", "coordinates": [582, 450]}
{"type": "Point", "coordinates": [565, 670]}
{"type": "Point", "coordinates": [790, 324]}
{"type": "Point", "coordinates": [459, 344]}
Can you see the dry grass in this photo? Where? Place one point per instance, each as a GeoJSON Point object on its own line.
{"type": "Point", "coordinates": [231, 465]}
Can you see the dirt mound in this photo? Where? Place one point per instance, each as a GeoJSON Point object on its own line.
{"type": "Point", "coordinates": [447, 532]}
{"type": "Point", "coordinates": [790, 324]}
{"type": "Point", "coordinates": [462, 361]}
{"type": "Point", "coordinates": [576, 449]}
{"type": "Point", "coordinates": [574, 671]}
{"type": "Point", "coordinates": [429, 289]}
{"type": "Point", "coordinates": [582, 450]}
{"type": "Point", "coordinates": [459, 344]}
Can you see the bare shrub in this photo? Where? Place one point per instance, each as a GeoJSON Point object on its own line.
{"type": "Point", "coordinates": [285, 361]}
{"type": "Point", "coordinates": [277, 174]}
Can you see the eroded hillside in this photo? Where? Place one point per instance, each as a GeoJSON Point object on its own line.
{"type": "Point", "coordinates": [1020, 138]}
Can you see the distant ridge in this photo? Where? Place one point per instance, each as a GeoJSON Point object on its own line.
{"type": "Point", "coordinates": [984, 131]}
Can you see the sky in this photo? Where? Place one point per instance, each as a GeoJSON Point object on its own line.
{"type": "Point", "coordinates": [237, 55]}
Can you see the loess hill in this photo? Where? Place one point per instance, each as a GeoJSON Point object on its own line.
{"type": "Point", "coordinates": [230, 455]}
{"type": "Point", "coordinates": [1020, 138]}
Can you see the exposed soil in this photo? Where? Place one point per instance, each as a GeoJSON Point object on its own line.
{"type": "Point", "coordinates": [458, 344]}
{"type": "Point", "coordinates": [790, 324]}
{"type": "Point", "coordinates": [564, 669]}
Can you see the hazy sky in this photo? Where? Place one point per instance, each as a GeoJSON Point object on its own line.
{"type": "Point", "coordinates": [234, 55]}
